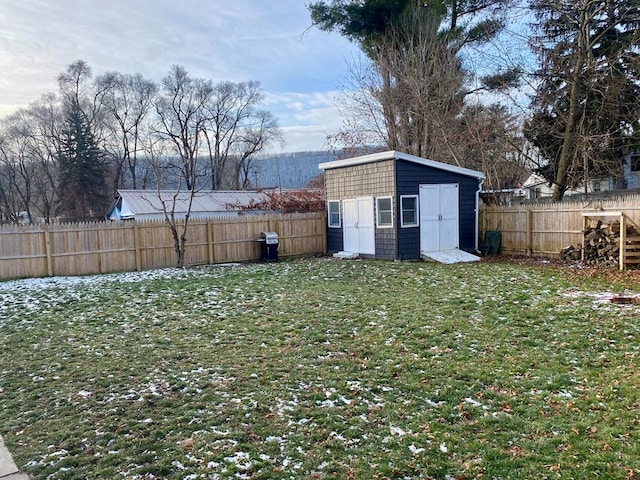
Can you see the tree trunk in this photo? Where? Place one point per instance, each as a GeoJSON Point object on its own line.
{"type": "Point", "coordinates": [568, 152]}
{"type": "Point", "coordinates": [179, 242]}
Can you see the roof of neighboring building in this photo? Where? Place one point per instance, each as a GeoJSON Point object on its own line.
{"type": "Point", "coordinates": [148, 202]}
{"type": "Point", "coordinates": [393, 154]}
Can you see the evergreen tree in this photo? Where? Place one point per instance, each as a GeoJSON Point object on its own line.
{"type": "Point", "coordinates": [81, 170]}
{"type": "Point", "coordinates": [419, 83]}
{"type": "Point", "coordinates": [366, 22]}
{"type": "Point", "coordinates": [586, 109]}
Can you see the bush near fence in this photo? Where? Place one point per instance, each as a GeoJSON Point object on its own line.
{"type": "Point", "coordinates": [98, 247]}
{"type": "Point", "coordinates": [546, 228]}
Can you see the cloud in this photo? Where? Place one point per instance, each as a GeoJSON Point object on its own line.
{"type": "Point", "coordinates": [213, 39]}
{"type": "Point", "coordinates": [305, 118]}
{"type": "Point", "coordinates": [302, 139]}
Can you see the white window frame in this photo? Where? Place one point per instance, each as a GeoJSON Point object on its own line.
{"type": "Point", "coordinates": [417, 210]}
{"type": "Point", "coordinates": [329, 222]}
{"type": "Point", "coordinates": [378, 210]}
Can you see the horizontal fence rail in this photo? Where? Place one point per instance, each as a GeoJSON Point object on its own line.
{"type": "Point", "coordinates": [545, 229]}
{"type": "Point", "coordinates": [98, 247]}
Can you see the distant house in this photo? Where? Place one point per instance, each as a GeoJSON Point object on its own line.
{"type": "Point", "coordinates": [631, 170]}
{"type": "Point", "coordinates": [395, 206]}
{"type": "Point", "coordinates": [505, 196]}
{"type": "Point", "coordinates": [539, 188]}
{"type": "Point", "coordinates": [148, 204]}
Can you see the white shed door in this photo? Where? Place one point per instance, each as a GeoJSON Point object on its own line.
{"type": "Point", "coordinates": [438, 217]}
{"type": "Point", "coordinates": [359, 225]}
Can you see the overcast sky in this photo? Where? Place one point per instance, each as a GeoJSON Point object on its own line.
{"type": "Point", "coordinates": [299, 68]}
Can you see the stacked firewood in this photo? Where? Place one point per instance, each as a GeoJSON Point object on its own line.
{"type": "Point", "coordinates": [602, 242]}
{"type": "Point", "coordinates": [570, 253]}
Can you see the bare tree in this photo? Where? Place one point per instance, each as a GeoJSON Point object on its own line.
{"type": "Point", "coordinates": [45, 124]}
{"type": "Point", "coordinates": [422, 84]}
{"type": "Point", "coordinates": [183, 120]}
{"type": "Point", "coordinates": [18, 168]}
{"type": "Point", "coordinates": [408, 96]}
{"type": "Point", "coordinates": [415, 88]}
{"type": "Point", "coordinates": [212, 131]}
{"type": "Point", "coordinates": [78, 89]}
{"type": "Point", "coordinates": [488, 138]}
{"type": "Point", "coordinates": [128, 102]}
{"type": "Point", "coordinates": [159, 152]}
{"type": "Point", "coordinates": [14, 194]}
{"type": "Point", "coordinates": [236, 131]}
{"type": "Point", "coordinates": [258, 134]}
{"type": "Point", "coordinates": [29, 148]}
{"type": "Point", "coordinates": [363, 123]}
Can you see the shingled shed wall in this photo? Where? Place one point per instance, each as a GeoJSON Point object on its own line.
{"type": "Point", "coordinates": [366, 180]}
{"type": "Point", "coordinates": [370, 179]}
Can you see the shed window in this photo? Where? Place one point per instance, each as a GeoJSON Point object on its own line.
{"type": "Point", "coordinates": [409, 214]}
{"type": "Point", "coordinates": [334, 213]}
{"type": "Point", "coordinates": [384, 209]}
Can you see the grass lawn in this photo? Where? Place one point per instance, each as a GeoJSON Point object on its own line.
{"type": "Point", "coordinates": [322, 369]}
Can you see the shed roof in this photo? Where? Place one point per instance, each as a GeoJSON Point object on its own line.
{"type": "Point", "coordinates": [395, 155]}
{"type": "Point", "coordinates": [148, 202]}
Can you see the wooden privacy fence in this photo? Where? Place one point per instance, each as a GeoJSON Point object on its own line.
{"type": "Point", "coordinates": [88, 248]}
{"type": "Point", "coordinates": [545, 229]}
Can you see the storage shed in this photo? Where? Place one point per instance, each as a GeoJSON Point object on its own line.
{"type": "Point", "coordinates": [395, 206]}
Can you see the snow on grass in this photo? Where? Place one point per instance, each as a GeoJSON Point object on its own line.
{"type": "Point", "coordinates": [317, 369]}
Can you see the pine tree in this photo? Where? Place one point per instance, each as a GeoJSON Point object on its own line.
{"type": "Point", "coordinates": [587, 106]}
{"type": "Point", "coordinates": [418, 83]}
{"type": "Point", "coordinates": [81, 170]}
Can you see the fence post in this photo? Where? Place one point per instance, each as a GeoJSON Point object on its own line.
{"type": "Point", "coordinates": [47, 248]}
{"type": "Point", "coordinates": [323, 231]}
{"type": "Point", "coordinates": [529, 232]}
{"type": "Point", "coordinates": [210, 242]}
{"type": "Point", "coordinates": [623, 240]}
{"type": "Point", "coordinates": [98, 248]}
{"type": "Point", "coordinates": [136, 245]}
{"type": "Point", "coordinates": [273, 228]}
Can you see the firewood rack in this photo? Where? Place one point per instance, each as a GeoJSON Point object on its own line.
{"type": "Point", "coordinates": [629, 252]}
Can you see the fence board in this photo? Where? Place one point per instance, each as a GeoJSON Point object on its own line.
{"type": "Point", "coordinates": [545, 229]}
{"type": "Point", "coordinates": [87, 248]}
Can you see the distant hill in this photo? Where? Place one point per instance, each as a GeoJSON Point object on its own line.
{"type": "Point", "coordinates": [287, 170]}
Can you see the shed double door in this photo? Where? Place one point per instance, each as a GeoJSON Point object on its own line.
{"type": "Point", "coordinates": [439, 227]}
{"type": "Point", "coordinates": [359, 225]}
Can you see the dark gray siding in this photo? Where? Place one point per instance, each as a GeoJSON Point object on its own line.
{"type": "Point", "coordinates": [409, 177]}
{"type": "Point", "coordinates": [334, 240]}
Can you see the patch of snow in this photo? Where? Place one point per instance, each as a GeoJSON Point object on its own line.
{"type": "Point", "coordinates": [397, 431]}
{"type": "Point", "coordinates": [564, 394]}
{"type": "Point", "coordinates": [240, 460]}
{"type": "Point", "coordinates": [415, 450]}
{"type": "Point", "coordinates": [474, 403]}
